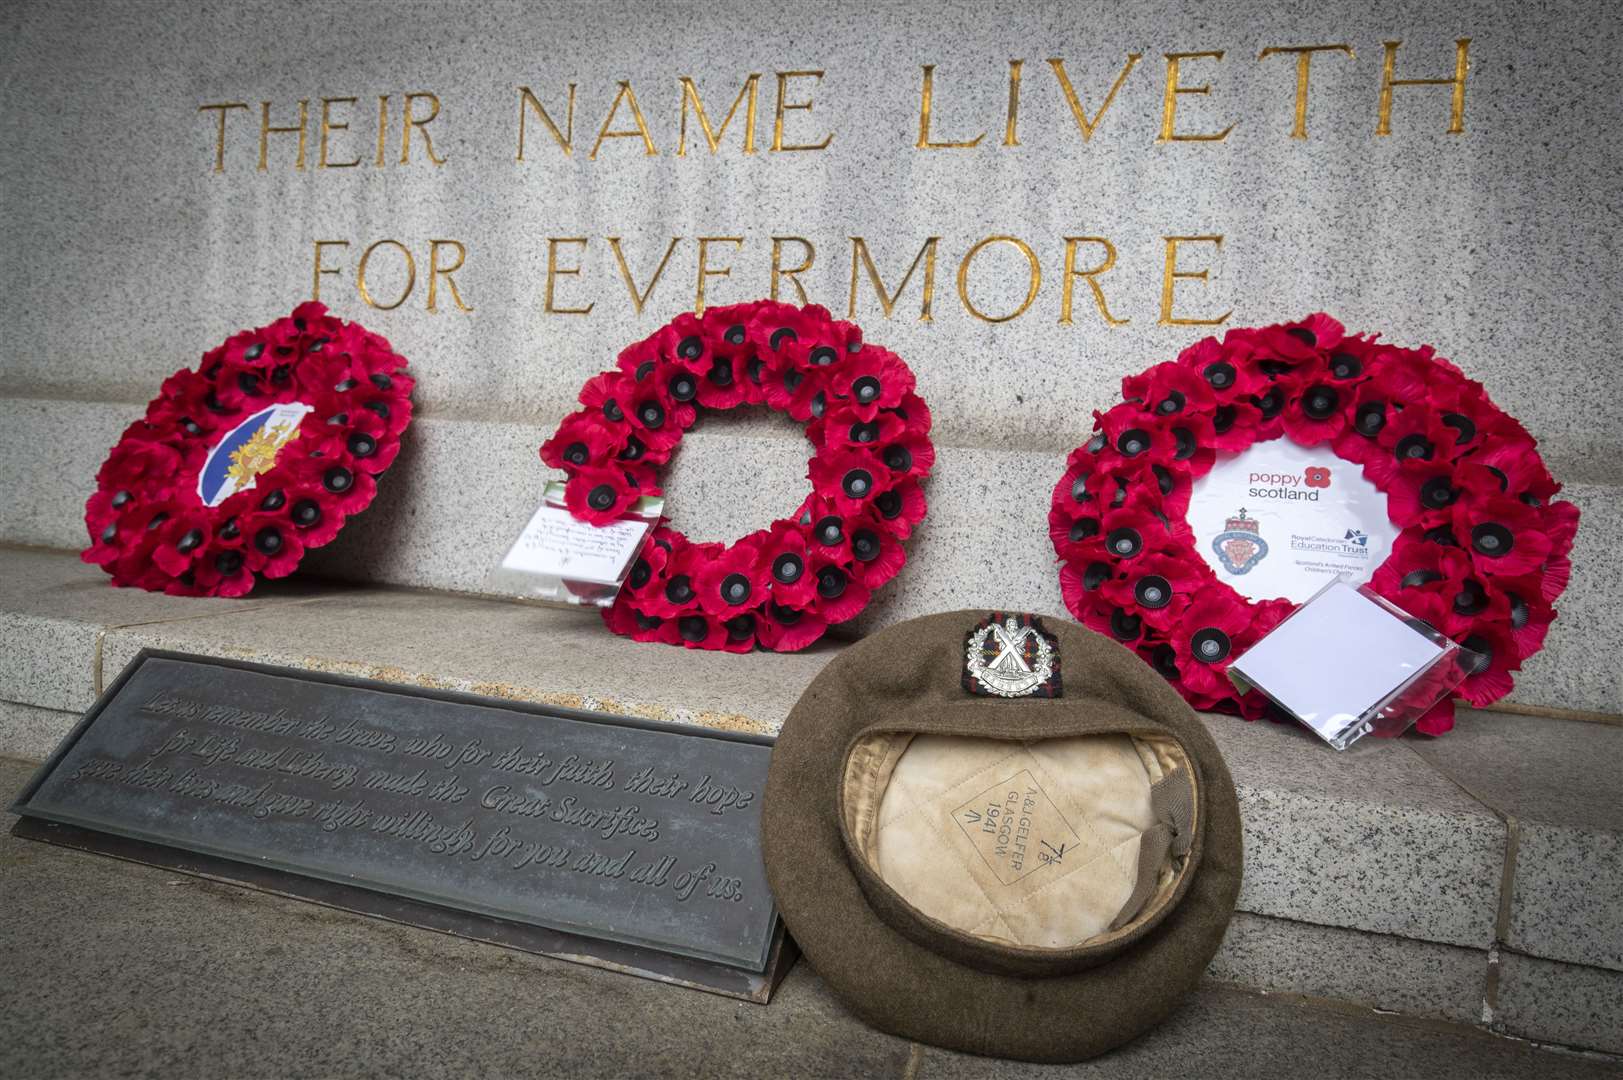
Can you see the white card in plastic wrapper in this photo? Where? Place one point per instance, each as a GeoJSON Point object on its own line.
{"type": "Point", "coordinates": [1347, 663]}
{"type": "Point", "coordinates": [557, 557]}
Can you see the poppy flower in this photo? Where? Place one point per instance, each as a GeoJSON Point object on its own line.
{"type": "Point", "coordinates": [698, 630]}
{"type": "Point", "coordinates": [787, 629]}
{"type": "Point", "coordinates": [1503, 536]}
{"type": "Point", "coordinates": [1420, 492]}
{"type": "Point", "coordinates": [733, 582]}
{"type": "Point", "coordinates": [850, 478]}
{"type": "Point", "coordinates": [872, 380]}
{"type": "Point", "coordinates": [1159, 587]}
{"type": "Point", "coordinates": [1211, 632]}
{"type": "Point", "coordinates": [876, 554]}
{"type": "Point", "coordinates": [682, 343]}
{"type": "Point", "coordinates": [843, 426]}
{"type": "Point", "coordinates": [599, 495]}
{"type": "Point", "coordinates": [839, 595]}
{"type": "Point", "coordinates": [915, 414]}
{"type": "Point", "coordinates": [785, 557]}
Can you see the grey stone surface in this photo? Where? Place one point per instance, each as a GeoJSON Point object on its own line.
{"type": "Point", "coordinates": [30, 732]}
{"type": "Point", "coordinates": [1558, 781]}
{"type": "Point", "coordinates": [1248, 1036]}
{"type": "Point", "coordinates": [1402, 234]}
{"type": "Point", "coordinates": [1370, 838]}
{"type": "Point", "coordinates": [158, 974]}
{"type": "Point", "coordinates": [1416, 978]}
{"type": "Point", "coordinates": [1563, 1003]}
{"type": "Point", "coordinates": [53, 613]}
{"type": "Point", "coordinates": [498, 649]}
{"type": "Point", "coordinates": [1378, 824]}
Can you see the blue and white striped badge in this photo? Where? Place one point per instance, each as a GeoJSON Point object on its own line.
{"type": "Point", "coordinates": [247, 450]}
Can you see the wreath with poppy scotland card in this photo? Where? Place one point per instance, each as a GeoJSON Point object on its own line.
{"type": "Point", "coordinates": [241, 466]}
{"type": "Point", "coordinates": [780, 587]}
{"type": "Point", "coordinates": [1483, 548]}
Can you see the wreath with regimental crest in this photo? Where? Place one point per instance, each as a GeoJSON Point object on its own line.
{"type": "Point", "coordinates": [780, 587]}
{"type": "Point", "coordinates": [1484, 546]}
{"type": "Point", "coordinates": [259, 454]}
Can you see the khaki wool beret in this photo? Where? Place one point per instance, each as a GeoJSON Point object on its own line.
{"type": "Point", "coordinates": [1001, 834]}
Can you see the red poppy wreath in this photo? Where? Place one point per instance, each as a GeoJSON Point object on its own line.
{"type": "Point", "coordinates": [1482, 548]}
{"type": "Point", "coordinates": [260, 454]}
{"type": "Point", "coordinates": [780, 587]}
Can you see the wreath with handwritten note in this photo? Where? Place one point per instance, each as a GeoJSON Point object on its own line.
{"type": "Point", "coordinates": [258, 455]}
{"type": "Point", "coordinates": [780, 587]}
{"type": "Point", "coordinates": [1483, 550]}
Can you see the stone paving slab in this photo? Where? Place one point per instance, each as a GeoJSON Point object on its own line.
{"type": "Point", "coordinates": [109, 967]}
{"type": "Point", "coordinates": [1402, 975]}
{"type": "Point", "coordinates": [1371, 838]}
{"type": "Point", "coordinates": [1566, 1003]}
{"type": "Point", "coordinates": [1558, 783]}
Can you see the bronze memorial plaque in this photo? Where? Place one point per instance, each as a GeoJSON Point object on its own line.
{"type": "Point", "coordinates": [611, 840]}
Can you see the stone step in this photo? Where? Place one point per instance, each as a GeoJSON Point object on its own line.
{"type": "Point", "coordinates": [159, 973]}
{"type": "Point", "coordinates": [462, 489]}
{"type": "Point", "coordinates": [1379, 875]}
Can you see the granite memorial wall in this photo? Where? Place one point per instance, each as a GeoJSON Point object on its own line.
{"type": "Point", "coordinates": [1025, 203]}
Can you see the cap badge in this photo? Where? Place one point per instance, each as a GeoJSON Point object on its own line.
{"type": "Point", "coordinates": [1011, 656]}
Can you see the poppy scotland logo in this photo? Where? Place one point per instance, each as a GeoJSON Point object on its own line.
{"type": "Point", "coordinates": [1239, 547]}
{"type": "Point", "coordinates": [1316, 477]}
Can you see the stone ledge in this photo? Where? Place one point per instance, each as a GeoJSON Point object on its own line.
{"type": "Point", "coordinates": [1379, 839]}
{"type": "Point", "coordinates": [461, 490]}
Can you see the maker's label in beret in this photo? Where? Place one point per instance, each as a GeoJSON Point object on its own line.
{"type": "Point", "coordinates": [1011, 656]}
{"type": "Point", "coordinates": [1016, 828]}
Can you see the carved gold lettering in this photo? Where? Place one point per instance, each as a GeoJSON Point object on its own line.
{"type": "Point", "coordinates": [926, 96]}
{"type": "Point", "coordinates": [318, 270]}
{"type": "Point", "coordinates": [1088, 127]}
{"type": "Point", "coordinates": [1171, 274]}
{"type": "Point", "coordinates": [784, 106]}
{"type": "Point", "coordinates": [887, 300]}
{"type": "Point", "coordinates": [222, 108]}
{"type": "Point", "coordinates": [690, 92]}
{"type": "Point", "coordinates": [565, 138]}
{"type": "Point", "coordinates": [266, 131]}
{"type": "Point", "coordinates": [1169, 100]}
{"type": "Point", "coordinates": [1456, 106]}
{"type": "Point", "coordinates": [554, 271]}
{"type": "Point", "coordinates": [409, 122]}
{"type": "Point", "coordinates": [778, 271]}
{"type": "Point", "coordinates": [705, 273]}
{"type": "Point", "coordinates": [411, 275]}
{"type": "Point", "coordinates": [1011, 125]}
{"type": "Point", "coordinates": [638, 299]}
{"type": "Point", "coordinates": [628, 95]}
{"type": "Point", "coordinates": [383, 127]}
{"type": "Point", "coordinates": [1091, 276]}
{"type": "Point", "coordinates": [328, 125]}
{"type": "Point", "coordinates": [1304, 63]}
{"type": "Point", "coordinates": [435, 270]}
{"type": "Point", "coordinates": [1034, 278]}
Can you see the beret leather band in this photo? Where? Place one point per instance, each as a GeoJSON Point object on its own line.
{"type": "Point", "coordinates": [1000, 991]}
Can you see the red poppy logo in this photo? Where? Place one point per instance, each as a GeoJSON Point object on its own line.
{"type": "Point", "coordinates": [1316, 477]}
